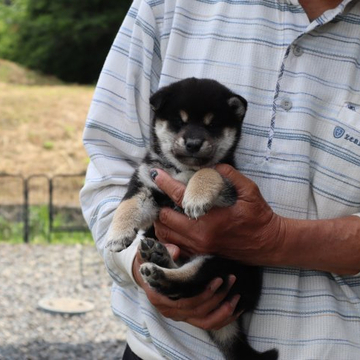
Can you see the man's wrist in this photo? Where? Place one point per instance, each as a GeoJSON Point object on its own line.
{"type": "Point", "coordinates": [296, 245]}
{"type": "Point", "coordinates": [275, 238]}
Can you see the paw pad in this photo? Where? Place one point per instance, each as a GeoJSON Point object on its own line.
{"type": "Point", "coordinates": [154, 252]}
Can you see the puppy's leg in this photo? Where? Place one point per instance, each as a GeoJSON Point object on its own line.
{"type": "Point", "coordinates": [207, 188]}
{"type": "Point", "coordinates": [134, 213]}
{"type": "Point", "coordinates": [176, 282]}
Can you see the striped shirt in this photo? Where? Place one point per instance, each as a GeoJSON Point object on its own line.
{"type": "Point", "coordinates": [300, 144]}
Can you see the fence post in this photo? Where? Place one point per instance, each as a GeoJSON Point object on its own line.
{"type": "Point", "coordinates": [26, 210]}
{"type": "Point", "coordinates": [51, 212]}
{"type": "Point", "coordinates": [24, 203]}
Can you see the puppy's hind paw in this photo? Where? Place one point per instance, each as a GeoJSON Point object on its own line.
{"type": "Point", "coordinates": [153, 275]}
{"type": "Point", "coordinates": [155, 252]}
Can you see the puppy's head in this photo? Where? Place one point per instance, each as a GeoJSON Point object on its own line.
{"type": "Point", "coordinates": [197, 122]}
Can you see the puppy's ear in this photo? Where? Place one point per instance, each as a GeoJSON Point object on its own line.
{"type": "Point", "coordinates": [158, 99]}
{"type": "Point", "coordinates": [238, 104]}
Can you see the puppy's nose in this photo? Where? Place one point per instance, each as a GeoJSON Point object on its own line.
{"type": "Point", "coordinates": [193, 145]}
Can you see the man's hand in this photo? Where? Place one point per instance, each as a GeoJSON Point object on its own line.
{"type": "Point", "coordinates": [248, 231]}
{"type": "Point", "coordinates": [206, 310]}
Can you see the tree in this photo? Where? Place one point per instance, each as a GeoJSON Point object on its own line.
{"type": "Point", "coordinates": [11, 13]}
{"type": "Point", "coordinates": [68, 39]}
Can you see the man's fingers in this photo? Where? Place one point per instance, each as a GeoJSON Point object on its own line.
{"type": "Point", "coordinates": [209, 316]}
{"type": "Point", "coordinates": [200, 306]}
{"type": "Point", "coordinates": [207, 307]}
{"type": "Point", "coordinates": [219, 318]}
{"type": "Point", "coordinates": [173, 220]}
{"type": "Point", "coordinates": [173, 188]}
{"type": "Point", "coordinates": [180, 310]}
{"type": "Point", "coordinates": [166, 236]}
{"type": "Point", "coordinates": [197, 307]}
{"type": "Point", "coordinates": [240, 181]}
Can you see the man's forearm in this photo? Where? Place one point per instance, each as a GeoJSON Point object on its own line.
{"type": "Point", "coordinates": [329, 245]}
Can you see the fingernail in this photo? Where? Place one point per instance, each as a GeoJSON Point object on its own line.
{"type": "Point", "coordinates": [232, 279]}
{"type": "Point", "coordinates": [239, 313]}
{"type": "Point", "coordinates": [234, 301]}
{"type": "Point", "coordinates": [215, 284]}
{"type": "Point", "coordinates": [153, 174]}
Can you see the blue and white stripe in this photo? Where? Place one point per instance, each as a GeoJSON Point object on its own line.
{"type": "Point", "coordinates": [304, 157]}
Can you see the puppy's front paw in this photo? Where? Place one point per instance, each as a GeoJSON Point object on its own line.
{"type": "Point", "coordinates": [196, 205]}
{"type": "Point", "coordinates": [155, 252]}
{"type": "Point", "coordinates": [119, 242]}
{"type": "Point", "coordinates": [202, 192]}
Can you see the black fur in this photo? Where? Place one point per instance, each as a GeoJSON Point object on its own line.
{"type": "Point", "coordinates": [191, 116]}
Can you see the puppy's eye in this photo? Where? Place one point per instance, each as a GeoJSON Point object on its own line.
{"type": "Point", "coordinates": [178, 121]}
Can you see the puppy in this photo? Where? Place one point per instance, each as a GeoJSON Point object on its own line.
{"type": "Point", "coordinates": [197, 124]}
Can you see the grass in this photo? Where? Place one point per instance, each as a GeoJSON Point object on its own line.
{"type": "Point", "coordinates": [13, 232]}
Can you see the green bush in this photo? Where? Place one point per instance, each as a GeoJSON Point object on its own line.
{"type": "Point", "coordinates": [68, 39]}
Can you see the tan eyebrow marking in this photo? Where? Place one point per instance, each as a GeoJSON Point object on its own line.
{"type": "Point", "coordinates": [208, 118]}
{"type": "Point", "coordinates": [184, 116]}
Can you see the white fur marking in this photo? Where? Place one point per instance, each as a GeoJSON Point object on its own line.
{"type": "Point", "coordinates": [225, 143]}
{"type": "Point", "coordinates": [226, 334]}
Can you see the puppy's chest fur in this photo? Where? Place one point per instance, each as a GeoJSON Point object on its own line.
{"type": "Point", "coordinates": [154, 161]}
{"type": "Point", "coordinates": [196, 125]}
{"type": "Point", "coordinates": [142, 184]}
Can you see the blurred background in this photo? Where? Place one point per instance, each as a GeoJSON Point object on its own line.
{"type": "Point", "coordinates": [51, 54]}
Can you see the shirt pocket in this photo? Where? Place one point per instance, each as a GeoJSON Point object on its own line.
{"type": "Point", "coordinates": [349, 114]}
{"type": "Point", "coordinates": [336, 161]}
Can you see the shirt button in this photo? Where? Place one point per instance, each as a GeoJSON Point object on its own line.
{"type": "Point", "coordinates": [298, 51]}
{"type": "Point", "coordinates": [286, 104]}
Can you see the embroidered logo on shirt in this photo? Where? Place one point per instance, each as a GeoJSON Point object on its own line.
{"type": "Point", "coordinates": [338, 132]}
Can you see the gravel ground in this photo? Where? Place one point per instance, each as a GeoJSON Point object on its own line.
{"type": "Point", "coordinates": [30, 273]}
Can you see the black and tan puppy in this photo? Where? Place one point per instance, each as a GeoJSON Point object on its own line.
{"type": "Point", "coordinates": [197, 124]}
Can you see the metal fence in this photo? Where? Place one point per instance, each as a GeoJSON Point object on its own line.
{"type": "Point", "coordinates": [59, 193]}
